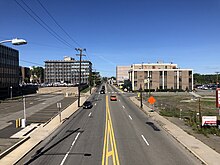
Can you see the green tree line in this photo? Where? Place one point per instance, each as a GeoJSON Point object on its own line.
{"type": "Point", "coordinates": [205, 78]}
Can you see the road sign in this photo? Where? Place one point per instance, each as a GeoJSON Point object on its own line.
{"type": "Point", "coordinates": [151, 100]}
{"type": "Point", "coordinates": [209, 120]}
{"type": "Point", "coordinates": [58, 105]}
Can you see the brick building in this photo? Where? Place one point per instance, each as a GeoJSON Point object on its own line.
{"type": "Point", "coordinates": [122, 74]}
{"type": "Point", "coordinates": [160, 76]}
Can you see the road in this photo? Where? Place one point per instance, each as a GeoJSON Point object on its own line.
{"type": "Point", "coordinates": [112, 132]}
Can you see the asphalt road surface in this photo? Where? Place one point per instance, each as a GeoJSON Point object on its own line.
{"type": "Point", "coordinates": [112, 132]}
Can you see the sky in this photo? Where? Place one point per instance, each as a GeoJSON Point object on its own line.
{"type": "Point", "coordinates": [115, 32]}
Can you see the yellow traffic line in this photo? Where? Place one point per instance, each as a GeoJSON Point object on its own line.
{"type": "Point", "coordinates": [109, 147]}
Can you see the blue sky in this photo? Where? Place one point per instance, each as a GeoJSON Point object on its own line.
{"type": "Point", "coordinates": [118, 32]}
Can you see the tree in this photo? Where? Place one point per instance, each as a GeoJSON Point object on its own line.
{"type": "Point", "coordinates": [127, 85]}
{"type": "Point", "coordinates": [37, 74]}
{"type": "Point", "coordinates": [204, 79]}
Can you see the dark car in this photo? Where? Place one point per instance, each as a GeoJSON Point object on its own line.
{"type": "Point", "coordinates": [102, 91]}
{"type": "Point", "coordinates": [87, 105]}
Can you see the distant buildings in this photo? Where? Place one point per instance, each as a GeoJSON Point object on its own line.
{"type": "Point", "coordinates": [67, 71]}
{"type": "Point", "coordinates": [159, 76]}
{"type": "Point", "coordinates": [122, 74]}
{"type": "Point", "coordinates": [24, 75]}
{"type": "Point", "coordinates": [9, 67]}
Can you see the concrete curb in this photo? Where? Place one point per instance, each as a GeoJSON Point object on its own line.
{"type": "Point", "coordinates": [6, 152]}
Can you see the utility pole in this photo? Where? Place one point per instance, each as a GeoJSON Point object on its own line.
{"type": "Point", "coordinates": [200, 115]}
{"type": "Point", "coordinates": [217, 79]}
{"type": "Point", "coordinates": [141, 97]}
{"type": "Point", "coordinates": [80, 65]}
{"type": "Point", "coordinates": [90, 80]}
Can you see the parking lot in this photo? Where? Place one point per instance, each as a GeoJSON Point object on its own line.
{"type": "Point", "coordinates": [38, 109]}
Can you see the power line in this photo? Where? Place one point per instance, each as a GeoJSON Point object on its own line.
{"type": "Point", "coordinates": [61, 27]}
{"type": "Point", "coordinates": [58, 23]}
{"type": "Point", "coordinates": [47, 45]}
{"type": "Point", "coordinates": [31, 62]}
{"type": "Point", "coordinates": [42, 23]}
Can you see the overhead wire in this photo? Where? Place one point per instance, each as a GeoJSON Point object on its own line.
{"type": "Point", "coordinates": [31, 62]}
{"type": "Point", "coordinates": [48, 28]}
{"type": "Point", "coordinates": [42, 23]}
{"type": "Point", "coordinates": [57, 23]}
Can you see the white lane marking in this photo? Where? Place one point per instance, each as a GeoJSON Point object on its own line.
{"type": "Point", "coordinates": [90, 114]}
{"type": "Point", "coordinates": [123, 106]}
{"type": "Point", "coordinates": [95, 104]}
{"type": "Point", "coordinates": [145, 140]}
{"type": "Point", "coordinates": [119, 100]}
{"type": "Point", "coordinates": [130, 117]}
{"type": "Point", "coordinates": [64, 159]}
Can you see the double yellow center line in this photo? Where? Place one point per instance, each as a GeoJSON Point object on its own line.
{"type": "Point", "coordinates": [110, 154]}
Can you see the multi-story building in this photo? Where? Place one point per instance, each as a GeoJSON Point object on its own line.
{"type": "Point", "coordinates": [122, 74]}
{"type": "Point", "coordinates": [67, 71]}
{"type": "Point", "coordinates": [9, 67]}
{"type": "Point", "coordinates": [24, 75]}
{"type": "Point", "coordinates": [160, 76]}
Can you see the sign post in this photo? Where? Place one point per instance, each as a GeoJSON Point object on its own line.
{"type": "Point", "coordinates": [59, 107]}
{"type": "Point", "coordinates": [152, 100]}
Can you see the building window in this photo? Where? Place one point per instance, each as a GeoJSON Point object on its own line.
{"type": "Point", "coordinates": [145, 75]}
{"type": "Point", "coordinates": [190, 73]}
{"type": "Point", "coordinates": [135, 75]}
{"type": "Point", "coordinates": [135, 84]}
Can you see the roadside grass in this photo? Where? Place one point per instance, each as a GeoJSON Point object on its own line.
{"type": "Point", "coordinates": [187, 108]}
{"type": "Point", "coordinates": [85, 90]}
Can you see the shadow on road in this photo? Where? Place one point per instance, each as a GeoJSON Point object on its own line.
{"type": "Point", "coordinates": [40, 151]}
{"type": "Point", "coordinates": [153, 126]}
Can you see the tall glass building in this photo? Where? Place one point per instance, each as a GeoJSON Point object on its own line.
{"type": "Point", "coordinates": [9, 67]}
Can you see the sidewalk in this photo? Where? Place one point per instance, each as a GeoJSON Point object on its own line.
{"type": "Point", "coordinates": [200, 150]}
{"type": "Point", "coordinates": [42, 132]}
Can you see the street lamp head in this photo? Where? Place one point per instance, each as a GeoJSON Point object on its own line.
{"type": "Point", "coordinates": [17, 41]}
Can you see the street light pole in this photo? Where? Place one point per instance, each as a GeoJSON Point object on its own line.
{"type": "Point", "coordinates": [23, 121]}
{"type": "Point", "coordinates": [80, 65]}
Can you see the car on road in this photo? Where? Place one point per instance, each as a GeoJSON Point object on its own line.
{"type": "Point", "coordinates": [102, 91]}
{"type": "Point", "coordinates": [87, 105]}
{"type": "Point", "coordinates": [113, 98]}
